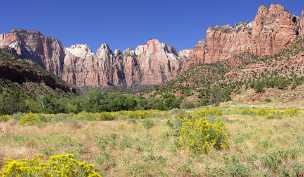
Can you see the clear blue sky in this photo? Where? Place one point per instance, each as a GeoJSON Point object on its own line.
{"type": "Point", "coordinates": [128, 23]}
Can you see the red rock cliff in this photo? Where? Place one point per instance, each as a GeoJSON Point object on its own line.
{"type": "Point", "coordinates": [45, 51]}
{"type": "Point", "coordinates": [272, 29]}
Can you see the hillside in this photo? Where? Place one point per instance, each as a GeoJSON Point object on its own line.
{"type": "Point", "coordinates": [23, 82]}
{"type": "Point", "coordinates": [214, 83]}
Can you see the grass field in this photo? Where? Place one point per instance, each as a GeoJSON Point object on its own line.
{"type": "Point", "coordinates": [262, 142]}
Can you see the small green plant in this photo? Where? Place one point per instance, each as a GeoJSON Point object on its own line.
{"type": "Point", "coordinates": [107, 141]}
{"type": "Point", "coordinates": [201, 135]}
{"type": "Point", "coordinates": [5, 118]}
{"type": "Point", "coordinates": [148, 123]}
{"type": "Point", "coordinates": [30, 119]}
{"type": "Point", "coordinates": [64, 165]}
{"type": "Point", "coordinates": [273, 160]}
{"type": "Point", "coordinates": [238, 170]}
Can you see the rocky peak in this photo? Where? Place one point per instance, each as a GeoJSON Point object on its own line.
{"type": "Point", "coordinates": [129, 52]}
{"type": "Point", "coordinates": [117, 52]}
{"type": "Point", "coordinates": [46, 51]}
{"type": "Point", "coordinates": [80, 50]}
{"type": "Point", "coordinates": [186, 53]}
{"type": "Point", "coordinates": [272, 29]}
{"type": "Point", "coordinates": [104, 51]}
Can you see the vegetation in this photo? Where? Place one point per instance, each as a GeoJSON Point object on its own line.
{"type": "Point", "coordinates": [239, 141]}
{"type": "Point", "coordinates": [200, 135]}
{"type": "Point", "coordinates": [210, 84]}
{"type": "Point", "coordinates": [57, 165]}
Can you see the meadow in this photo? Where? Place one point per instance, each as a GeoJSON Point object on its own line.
{"type": "Point", "coordinates": [253, 141]}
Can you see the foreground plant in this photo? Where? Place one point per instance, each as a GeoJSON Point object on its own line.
{"type": "Point", "coordinates": [202, 135]}
{"type": "Point", "coordinates": [64, 165]}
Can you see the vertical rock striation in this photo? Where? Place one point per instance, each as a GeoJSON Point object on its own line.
{"type": "Point", "coordinates": [272, 29]}
{"type": "Point", "coordinates": [155, 63]}
{"type": "Point", "coordinates": [46, 51]}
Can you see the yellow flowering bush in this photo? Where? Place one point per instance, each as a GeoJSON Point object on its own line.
{"type": "Point", "coordinates": [209, 111]}
{"type": "Point", "coordinates": [64, 165]}
{"type": "Point", "coordinates": [30, 119]}
{"type": "Point", "coordinates": [289, 112]}
{"type": "Point", "coordinates": [201, 135]}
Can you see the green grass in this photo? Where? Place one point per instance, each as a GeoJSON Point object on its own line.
{"type": "Point", "coordinates": [130, 144]}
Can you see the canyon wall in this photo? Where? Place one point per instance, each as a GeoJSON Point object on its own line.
{"type": "Point", "coordinates": [155, 63]}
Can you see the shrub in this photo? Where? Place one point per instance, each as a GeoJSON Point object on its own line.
{"type": "Point", "coordinates": [274, 159]}
{"type": "Point", "coordinates": [269, 112]}
{"type": "Point", "coordinates": [30, 119]}
{"type": "Point", "coordinates": [107, 141]}
{"type": "Point", "coordinates": [206, 112]}
{"type": "Point", "coordinates": [57, 165]}
{"type": "Point", "coordinates": [201, 135]}
{"type": "Point", "coordinates": [5, 118]}
{"type": "Point", "coordinates": [102, 116]}
{"type": "Point", "coordinates": [148, 123]}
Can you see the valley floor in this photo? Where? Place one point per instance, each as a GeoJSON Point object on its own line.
{"type": "Point", "coordinates": [261, 144]}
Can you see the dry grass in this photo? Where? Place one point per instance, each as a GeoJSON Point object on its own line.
{"type": "Point", "coordinates": [131, 148]}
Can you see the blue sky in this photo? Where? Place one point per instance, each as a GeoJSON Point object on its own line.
{"type": "Point", "coordinates": [128, 23]}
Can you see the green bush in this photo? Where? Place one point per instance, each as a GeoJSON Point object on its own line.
{"type": "Point", "coordinates": [102, 116]}
{"type": "Point", "coordinates": [57, 165]}
{"type": "Point", "coordinates": [5, 118]}
{"type": "Point", "coordinates": [274, 159]}
{"type": "Point", "coordinates": [201, 135]}
{"type": "Point", "coordinates": [148, 123]}
{"type": "Point", "coordinates": [30, 119]}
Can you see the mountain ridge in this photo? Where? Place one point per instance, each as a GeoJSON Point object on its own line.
{"type": "Point", "coordinates": [154, 62]}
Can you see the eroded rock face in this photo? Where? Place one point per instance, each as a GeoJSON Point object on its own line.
{"type": "Point", "coordinates": [158, 62]}
{"type": "Point", "coordinates": [132, 68]}
{"type": "Point", "coordinates": [85, 69]}
{"type": "Point", "coordinates": [153, 63]}
{"type": "Point", "coordinates": [302, 23]}
{"type": "Point", "coordinates": [272, 29]}
{"type": "Point", "coordinates": [193, 57]}
{"type": "Point", "coordinates": [46, 51]}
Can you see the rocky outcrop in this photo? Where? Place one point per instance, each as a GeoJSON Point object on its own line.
{"type": "Point", "coordinates": [193, 57]}
{"type": "Point", "coordinates": [272, 29]}
{"type": "Point", "coordinates": [302, 23]}
{"type": "Point", "coordinates": [46, 51]}
{"type": "Point", "coordinates": [132, 69]}
{"type": "Point", "coordinates": [85, 69]}
{"type": "Point", "coordinates": [153, 63]}
{"type": "Point", "coordinates": [158, 62]}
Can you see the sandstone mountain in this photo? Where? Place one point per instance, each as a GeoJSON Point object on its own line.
{"type": "Point", "coordinates": [155, 63]}
{"type": "Point", "coordinates": [272, 30]}
{"type": "Point", "coordinates": [46, 51]}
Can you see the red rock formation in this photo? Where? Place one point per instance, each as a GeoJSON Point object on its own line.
{"type": "Point", "coordinates": [272, 29]}
{"type": "Point", "coordinates": [84, 68]}
{"type": "Point", "coordinates": [46, 51]}
{"type": "Point", "coordinates": [153, 63]}
{"type": "Point", "coordinates": [158, 62]}
{"type": "Point", "coordinates": [302, 23]}
{"type": "Point", "coordinates": [193, 57]}
{"type": "Point", "coordinates": [132, 70]}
